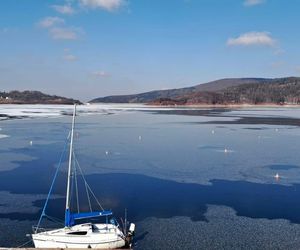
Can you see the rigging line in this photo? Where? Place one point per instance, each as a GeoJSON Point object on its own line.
{"type": "Point", "coordinates": [58, 221]}
{"type": "Point", "coordinates": [85, 184]}
{"type": "Point", "coordinates": [52, 184]}
{"type": "Point", "coordinates": [24, 244]}
{"type": "Point", "coordinates": [88, 196]}
{"type": "Point", "coordinates": [88, 184]}
{"type": "Point", "coordinates": [76, 184]}
{"type": "Point", "coordinates": [54, 219]}
{"type": "Point", "coordinates": [94, 196]}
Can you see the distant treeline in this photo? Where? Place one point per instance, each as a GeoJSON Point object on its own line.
{"type": "Point", "coordinates": [281, 91]}
{"type": "Point", "coordinates": [33, 97]}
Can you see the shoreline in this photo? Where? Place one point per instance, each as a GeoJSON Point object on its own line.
{"type": "Point", "coordinates": [267, 105]}
{"type": "Point", "coordinates": [149, 105]}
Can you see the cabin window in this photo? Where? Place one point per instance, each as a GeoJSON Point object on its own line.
{"type": "Point", "coordinates": [94, 228]}
{"type": "Point", "coordinates": [78, 233]}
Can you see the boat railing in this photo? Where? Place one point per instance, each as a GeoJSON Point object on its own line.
{"type": "Point", "coordinates": [36, 229]}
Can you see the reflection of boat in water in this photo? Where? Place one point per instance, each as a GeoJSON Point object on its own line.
{"type": "Point", "coordinates": [87, 235]}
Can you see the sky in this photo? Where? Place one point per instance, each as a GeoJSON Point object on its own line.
{"type": "Point", "coordinates": [92, 48]}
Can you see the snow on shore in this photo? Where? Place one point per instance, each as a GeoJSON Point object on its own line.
{"type": "Point", "coordinates": [8, 111]}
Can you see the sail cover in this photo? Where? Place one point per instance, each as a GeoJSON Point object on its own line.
{"type": "Point", "coordinates": [71, 217]}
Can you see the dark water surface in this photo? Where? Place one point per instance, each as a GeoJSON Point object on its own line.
{"type": "Point", "coordinates": [151, 197]}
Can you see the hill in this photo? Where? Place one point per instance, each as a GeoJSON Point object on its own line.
{"type": "Point", "coordinates": [224, 91]}
{"type": "Point", "coordinates": [175, 93]}
{"type": "Point", "coordinates": [33, 97]}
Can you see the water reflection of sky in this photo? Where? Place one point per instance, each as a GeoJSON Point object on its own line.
{"type": "Point", "coordinates": [204, 150]}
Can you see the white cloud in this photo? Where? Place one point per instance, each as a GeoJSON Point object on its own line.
{"type": "Point", "coordinates": [48, 22]}
{"type": "Point", "coordinates": [63, 33]}
{"type": "Point", "coordinates": [252, 39]}
{"type": "Point", "coordinates": [109, 5]}
{"type": "Point", "coordinates": [101, 73]}
{"type": "Point", "coordinates": [70, 58]}
{"type": "Point", "coordinates": [57, 29]}
{"type": "Point", "coordinates": [68, 55]}
{"type": "Point", "coordinates": [253, 2]}
{"type": "Point", "coordinates": [64, 9]}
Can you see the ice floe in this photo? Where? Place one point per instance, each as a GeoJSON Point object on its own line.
{"type": "Point", "coordinates": [3, 136]}
{"type": "Point", "coordinates": [39, 110]}
{"type": "Point", "coordinates": [223, 229]}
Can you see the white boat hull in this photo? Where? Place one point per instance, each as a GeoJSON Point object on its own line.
{"type": "Point", "coordinates": [102, 236]}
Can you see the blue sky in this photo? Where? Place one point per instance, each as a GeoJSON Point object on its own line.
{"type": "Point", "coordinates": [92, 48]}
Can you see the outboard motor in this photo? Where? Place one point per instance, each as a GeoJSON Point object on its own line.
{"type": "Point", "coordinates": [131, 229]}
{"type": "Point", "coordinates": [130, 234]}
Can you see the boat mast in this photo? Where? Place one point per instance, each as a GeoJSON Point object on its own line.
{"type": "Point", "coordinates": [67, 215]}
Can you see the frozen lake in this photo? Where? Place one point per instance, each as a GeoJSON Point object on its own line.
{"type": "Point", "coordinates": [190, 178]}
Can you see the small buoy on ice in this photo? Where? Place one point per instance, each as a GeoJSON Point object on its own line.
{"type": "Point", "coordinates": [140, 137]}
{"type": "Point", "coordinates": [212, 131]}
{"type": "Point", "coordinates": [30, 143]}
{"type": "Point", "coordinates": [106, 152]}
{"type": "Point", "coordinates": [225, 150]}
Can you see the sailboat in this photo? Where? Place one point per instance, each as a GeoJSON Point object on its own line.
{"type": "Point", "coordinates": [106, 235]}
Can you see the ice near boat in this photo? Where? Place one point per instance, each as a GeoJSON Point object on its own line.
{"type": "Point", "coordinates": [106, 235]}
